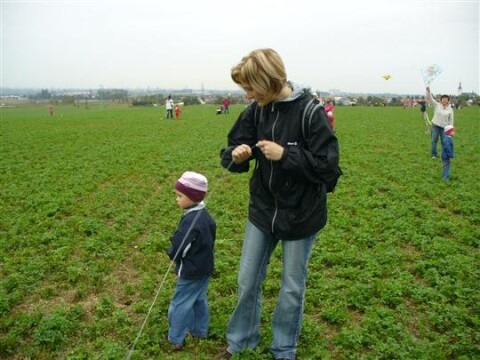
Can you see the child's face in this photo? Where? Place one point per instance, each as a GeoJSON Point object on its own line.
{"type": "Point", "coordinates": [183, 201]}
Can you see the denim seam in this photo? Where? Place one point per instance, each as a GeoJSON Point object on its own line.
{"type": "Point", "coordinates": [258, 282]}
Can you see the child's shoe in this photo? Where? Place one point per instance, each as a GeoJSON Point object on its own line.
{"type": "Point", "coordinates": [177, 347]}
{"type": "Point", "coordinates": [196, 336]}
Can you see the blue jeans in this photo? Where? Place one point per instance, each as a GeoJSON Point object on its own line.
{"type": "Point", "coordinates": [446, 169]}
{"type": "Point", "coordinates": [244, 326]}
{"type": "Point", "coordinates": [437, 132]}
{"type": "Point", "coordinates": [188, 310]}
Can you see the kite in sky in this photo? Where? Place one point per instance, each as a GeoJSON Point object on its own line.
{"type": "Point", "coordinates": [430, 73]}
{"type": "Point", "coordinates": [387, 76]}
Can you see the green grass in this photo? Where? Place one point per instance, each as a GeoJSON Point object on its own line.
{"type": "Point", "coordinates": [87, 208]}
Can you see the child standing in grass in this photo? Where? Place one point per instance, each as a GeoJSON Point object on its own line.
{"type": "Point", "coordinates": [191, 247]}
{"type": "Point", "coordinates": [177, 112]}
{"type": "Point", "coordinates": [447, 151]}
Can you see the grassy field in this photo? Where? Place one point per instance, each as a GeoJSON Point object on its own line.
{"type": "Point", "coordinates": [87, 208]}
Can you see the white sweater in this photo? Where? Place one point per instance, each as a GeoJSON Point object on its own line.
{"type": "Point", "coordinates": [441, 116]}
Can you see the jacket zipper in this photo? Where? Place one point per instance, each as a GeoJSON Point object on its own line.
{"type": "Point", "coordinates": [271, 175]}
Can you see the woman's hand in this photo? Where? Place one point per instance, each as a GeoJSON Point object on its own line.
{"type": "Point", "coordinates": [241, 153]}
{"type": "Point", "coordinates": [271, 150]}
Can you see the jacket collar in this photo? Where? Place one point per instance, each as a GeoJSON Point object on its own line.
{"type": "Point", "coordinates": [199, 206]}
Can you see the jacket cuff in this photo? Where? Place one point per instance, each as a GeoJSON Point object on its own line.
{"type": "Point", "coordinates": [285, 153]}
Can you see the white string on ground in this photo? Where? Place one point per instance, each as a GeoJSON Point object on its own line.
{"type": "Point", "coordinates": [132, 349]}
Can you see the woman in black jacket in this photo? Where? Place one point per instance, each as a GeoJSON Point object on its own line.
{"type": "Point", "coordinates": [294, 160]}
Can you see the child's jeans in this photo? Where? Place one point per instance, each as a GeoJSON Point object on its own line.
{"type": "Point", "coordinates": [446, 169]}
{"type": "Point", "coordinates": [188, 310]}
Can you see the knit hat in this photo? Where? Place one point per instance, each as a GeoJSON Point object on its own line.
{"type": "Point", "coordinates": [448, 129]}
{"type": "Point", "coordinates": [193, 185]}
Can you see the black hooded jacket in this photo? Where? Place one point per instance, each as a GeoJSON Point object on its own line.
{"type": "Point", "coordinates": [288, 197]}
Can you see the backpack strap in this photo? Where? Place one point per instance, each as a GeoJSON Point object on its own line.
{"type": "Point", "coordinates": [313, 105]}
{"type": "Point", "coordinates": [310, 108]}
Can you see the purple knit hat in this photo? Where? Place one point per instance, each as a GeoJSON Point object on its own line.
{"type": "Point", "coordinates": [193, 185]}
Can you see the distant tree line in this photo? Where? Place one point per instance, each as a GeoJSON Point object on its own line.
{"type": "Point", "coordinates": [467, 99]}
{"type": "Point", "coordinates": [42, 95]}
{"type": "Point", "coordinates": [458, 101]}
{"type": "Point", "coordinates": [120, 95]}
{"type": "Point", "coordinates": [151, 100]}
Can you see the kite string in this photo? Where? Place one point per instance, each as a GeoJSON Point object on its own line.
{"type": "Point", "coordinates": [132, 349]}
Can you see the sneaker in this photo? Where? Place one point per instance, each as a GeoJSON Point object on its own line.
{"type": "Point", "coordinates": [434, 157]}
{"type": "Point", "coordinates": [224, 354]}
{"type": "Point", "coordinates": [196, 336]}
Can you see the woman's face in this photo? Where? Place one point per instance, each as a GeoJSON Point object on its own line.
{"type": "Point", "coordinates": [444, 100]}
{"type": "Point", "coordinates": [253, 95]}
{"type": "Point", "coordinates": [250, 94]}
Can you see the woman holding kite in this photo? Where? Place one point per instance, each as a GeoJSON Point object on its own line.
{"type": "Point", "coordinates": [442, 116]}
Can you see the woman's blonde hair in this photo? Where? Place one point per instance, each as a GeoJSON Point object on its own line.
{"type": "Point", "coordinates": [263, 72]}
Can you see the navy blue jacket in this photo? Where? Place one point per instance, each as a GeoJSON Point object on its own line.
{"type": "Point", "coordinates": [192, 244]}
{"type": "Point", "coordinates": [447, 148]}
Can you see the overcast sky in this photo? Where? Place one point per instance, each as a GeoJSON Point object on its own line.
{"type": "Point", "coordinates": [343, 45]}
